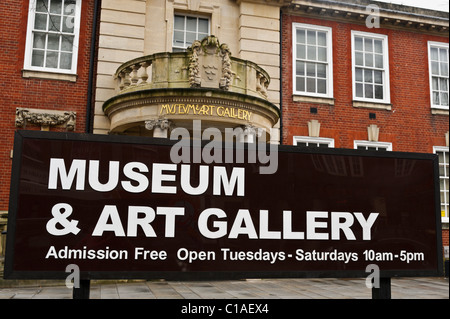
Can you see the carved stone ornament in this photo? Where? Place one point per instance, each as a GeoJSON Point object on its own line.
{"type": "Point", "coordinates": [163, 124]}
{"type": "Point", "coordinates": [45, 118]}
{"type": "Point", "coordinates": [210, 64]}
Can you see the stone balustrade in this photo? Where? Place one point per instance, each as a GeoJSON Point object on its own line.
{"type": "Point", "coordinates": [204, 64]}
{"type": "Point", "coordinates": [204, 83]}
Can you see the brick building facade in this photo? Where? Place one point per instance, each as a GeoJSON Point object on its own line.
{"type": "Point", "coordinates": [45, 60]}
{"type": "Point", "coordinates": [339, 45]}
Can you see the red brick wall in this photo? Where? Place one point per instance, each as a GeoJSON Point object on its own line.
{"type": "Point", "coordinates": [16, 91]}
{"type": "Point", "coordinates": [409, 126]}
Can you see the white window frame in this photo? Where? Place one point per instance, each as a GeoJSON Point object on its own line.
{"type": "Point", "coordinates": [439, 45]}
{"type": "Point", "coordinates": [329, 62]}
{"type": "Point", "coordinates": [385, 145]}
{"type": "Point", "coordinates": [313, 140]}
{"type": "Point", "coordinates": [445, 219]}
{"type": "Point", "coordinates": [183, 48]}
{"type": "Point", "coordinates": [30, 37]}
{"type": "Point", "coordinates": [386, 83]}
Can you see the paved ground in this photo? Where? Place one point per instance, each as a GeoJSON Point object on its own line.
{"type": "Point", "coordinates": [329, 288]}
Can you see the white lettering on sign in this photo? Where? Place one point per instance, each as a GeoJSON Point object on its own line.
{"type": "Point", "coordinates": [163, 177]}
{"type": "Point", "coordinates": [110, 212]}
{"type": "Point", "coordinates": [243, 225]}
{"type": "Point", "coordinates": [213, 223]}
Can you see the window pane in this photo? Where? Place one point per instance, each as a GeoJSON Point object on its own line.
{"type": "Point", "coordinates": [436, 98]}
{"type": "Point", "coordinates": [321, 38]}
{"type": "Point", "coordinates": [56, 6]}
{"type": "Point", "coordinates": [311, 85]}
{"type": "Point", "coordinates": [434, 54]}
{"type": "Point", "coordinates": [66, 61]}
{"type": "Point", "coordinates": [358, 75]}
{"type": "Point", "coordinates": [359, 58]}
{"type": "Point", "coordinates": [179, 23]}
{"type": "Point", "coordinates": [67, 43]}
{"type": "Point", "coordinates": [39, 40]}
{"type": "Point", "coordinates": [203, 25]}
{"type": "Point", "coordinates": [444, 69]}
{"type": "Point", "coordinates": [443, 84]}
{"type": "Point", "coordinates": [178, 38]}
{"type": "Point", "coordinates": [368, 45]}
{"type": "Point", "coordinates": [40, 22]}
{"type": "Point", "coordinates": [310, 69]}
{"type": "Point", "coordinates": [359, 90]}
{"type": "Point", "coordinates": [321, 86]}
{"type": "Point", "coordinates": [378, 77]}
{"type": "Point", "coordinates": [378, 92]}
{"type": "Point", "coordinates": [41, 5]}
{"type": "Point", "coordinates": [300, 66]}
{"type": "Point", "coordinates": [368, 76]}
{"type": "Point", "coordinates": [443, 55]}
{"type": "Point", "coordinates": [444, 99]}
{"type": "Point", "coordinates": [53, 42]}
{"type": "Point", "coordinates": [311, 52]}
{"type": "Point", "coordinates": [301, 36]}
{"type": "Point", "coordinates": [378, 61]}
{"type": "Point", "coordinates": [378, 44]}
{"type": "Point", "coordinates": [191, 24]}
{"type": "Point", "coordinates": [435, 83]}
{"type": "Point", "coordinates": [321, 70]}
{"type": "Point", "coordinates": [368, 91]}
{"type": "Point", "coordinates": [322, 54]}
{"type": "Point", "coordinates": [435, 68]}
{"type": "Point", "coordinates": [38, 58]}
{"type": "Point", "coordinates": [311, 37]}
{"type": "Point", "coordinates": [52, 59]}
{"type": "Point", "coordinates": [54, 23]}
{"type": "Point", "coordinates": [301, 51]}
{"type": "Point", "coordinates": [68, 24]}
{"type": "Point", "coordinates": [69, 7]}
{"type": "Point", "coordinates": [190, 38]}
{"type": "Point", "coordinates": [358, 43]}
{"type": "Point", "coordinates": [300, 84]}
{"type": "Point", "coordinates": [201, 36]}
{"type": "Point", "coordinates": [369, 59]}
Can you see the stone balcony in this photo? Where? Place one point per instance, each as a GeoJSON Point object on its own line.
{"type": "Point", "coordinates": [166, 90]}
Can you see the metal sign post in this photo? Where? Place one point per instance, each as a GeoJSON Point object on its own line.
{"type": "Point", "coordinates": [82, 292]}
{"type": "Point", "coordinates": [384, 291]}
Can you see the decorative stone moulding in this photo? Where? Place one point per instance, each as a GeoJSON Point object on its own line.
{"type": "Point", "coordinates": [45, 118]}
{"type": "Point", "coordinates": [206, 64]}
{"type": "Point", "coordinates": [204, 83]}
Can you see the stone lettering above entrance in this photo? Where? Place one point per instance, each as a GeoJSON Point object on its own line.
{"type": "Point", "coordinates": [205, 109]}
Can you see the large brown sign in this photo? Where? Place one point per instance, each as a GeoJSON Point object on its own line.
{"type": "Point", "coordinates": [120, 207]}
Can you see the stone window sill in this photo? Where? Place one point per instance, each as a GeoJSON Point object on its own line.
{"type": "Point", "coordinates": [439, 111]}
{"type": "Point", "coordinates": [313, 99]}
{"type": "Point", "coordinates": [49, 75]}
{"type": "Point", "coordinates": [372, 105]}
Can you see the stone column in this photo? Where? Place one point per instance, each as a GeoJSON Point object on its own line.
{"type": "Point", "coordinates": [160, 127]}
{"type": "Point", "coordinates": [249, 134]}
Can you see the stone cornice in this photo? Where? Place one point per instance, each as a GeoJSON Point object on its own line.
{"type": "Point", "coordinates": [390, 16]}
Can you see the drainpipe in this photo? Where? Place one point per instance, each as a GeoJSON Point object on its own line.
{"type": "Point", "coordinates": [91, 68]}
{"type": "Point", "coordinates": [281, 77]}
